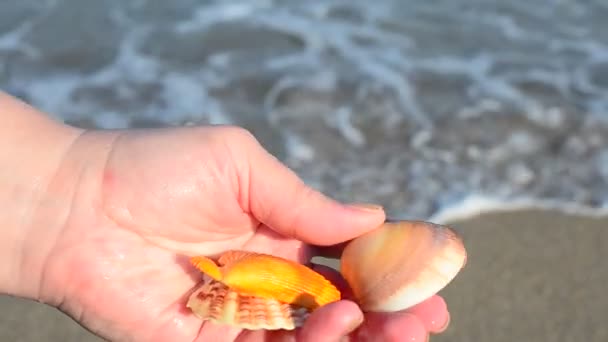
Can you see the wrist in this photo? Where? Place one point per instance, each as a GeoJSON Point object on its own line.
{"type": "Point", "coordinates": [32, 150]}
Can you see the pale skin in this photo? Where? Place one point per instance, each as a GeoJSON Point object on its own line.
{"type": "Point", "coordinates": [100, 224]}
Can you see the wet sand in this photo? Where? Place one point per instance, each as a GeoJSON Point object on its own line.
{"type": "Point", "coordinates": [532, 275]}
{"type": "Point", "coordinates": [27, 321]}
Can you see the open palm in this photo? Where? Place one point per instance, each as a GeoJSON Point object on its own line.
{"type": "Point", "coordinates": [120, 264]}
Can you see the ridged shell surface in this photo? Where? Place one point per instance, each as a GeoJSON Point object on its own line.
{"type": "Point", "coordinates": [268, 276]}
{"type": "Point", "coordinates": [401, 263]}
{"type": "Point", "coordinates": [216, 302]}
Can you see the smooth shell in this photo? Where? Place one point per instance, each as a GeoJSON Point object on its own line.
{"type": "Point", "coordinates": [268, 276]}
{"type": "Point", "coordinates": [215, 302]}
{"type": "Point", "coordinates": [400, 264]}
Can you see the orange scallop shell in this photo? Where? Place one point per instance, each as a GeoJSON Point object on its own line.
{"type": "Point", "coordinates": [268, 276]}
{"type": "Point", "coordinates": [215, 302]}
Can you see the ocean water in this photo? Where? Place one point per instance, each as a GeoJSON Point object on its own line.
{"type": "Point", "coordinates": [415, 105]}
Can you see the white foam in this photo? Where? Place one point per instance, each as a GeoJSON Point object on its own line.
{"type": "Point", "coordinates": [369, 62]}
{"type": "Point", "coordinates": [53, 93]}
{"type": "Point", "coordinates": [111, 120]}
{"type": "Point", "coordinates": [298, 150]}
{"type": "Point", "coordinates": [11, 40]}
{"type": "Point", "coordinates": [476, 204]}
{"type": "Point", "coordinates": [479, 108]}
{"type": "Point", "coordinates": [342, 121]}
{"type": "Point", "coordinates": [187, 97]}
{"type": "Point", "coordinates": [206, 15]}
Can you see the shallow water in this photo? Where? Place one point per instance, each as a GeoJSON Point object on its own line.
{"type": "Point", "coordinates": [411, 105]}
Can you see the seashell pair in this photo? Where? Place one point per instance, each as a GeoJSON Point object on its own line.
{"type": "Point", "coordinates": [390, 268]}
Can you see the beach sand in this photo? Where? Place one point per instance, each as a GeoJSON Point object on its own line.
{"type": "Point", "coordinates": [532, 275]}
{"type": "Point", "coordinates": [27, 321]}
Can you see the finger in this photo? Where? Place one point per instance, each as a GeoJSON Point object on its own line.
{"type": "Point", "coordinates": [266, 335]}
{"type": "Point", "coordinates": [277, 197]}
{"type": "Point", "coordinates": [433, 313]}
{"type": "Point", "coordinates": [389, 327]}
{"type": "Point", "coordinates": [268, 241]}
{"type": "Point", "coordinates": [331, 322]}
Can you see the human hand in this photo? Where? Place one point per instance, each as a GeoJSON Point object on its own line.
{"type": "Point", "coordinates": [142, 201]}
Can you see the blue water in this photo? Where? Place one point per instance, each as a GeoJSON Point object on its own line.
{"type": "Point", "coordinates": [411, 104]}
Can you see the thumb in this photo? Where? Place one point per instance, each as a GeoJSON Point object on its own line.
{"type": "Point", "coordinates": [278, 198]}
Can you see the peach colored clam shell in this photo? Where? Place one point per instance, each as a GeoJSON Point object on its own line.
{"type": "Point", "coordinates": [400, 264]}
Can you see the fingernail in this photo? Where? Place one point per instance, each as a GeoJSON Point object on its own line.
{"type": "Point", "coordinates": [366, 206]}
